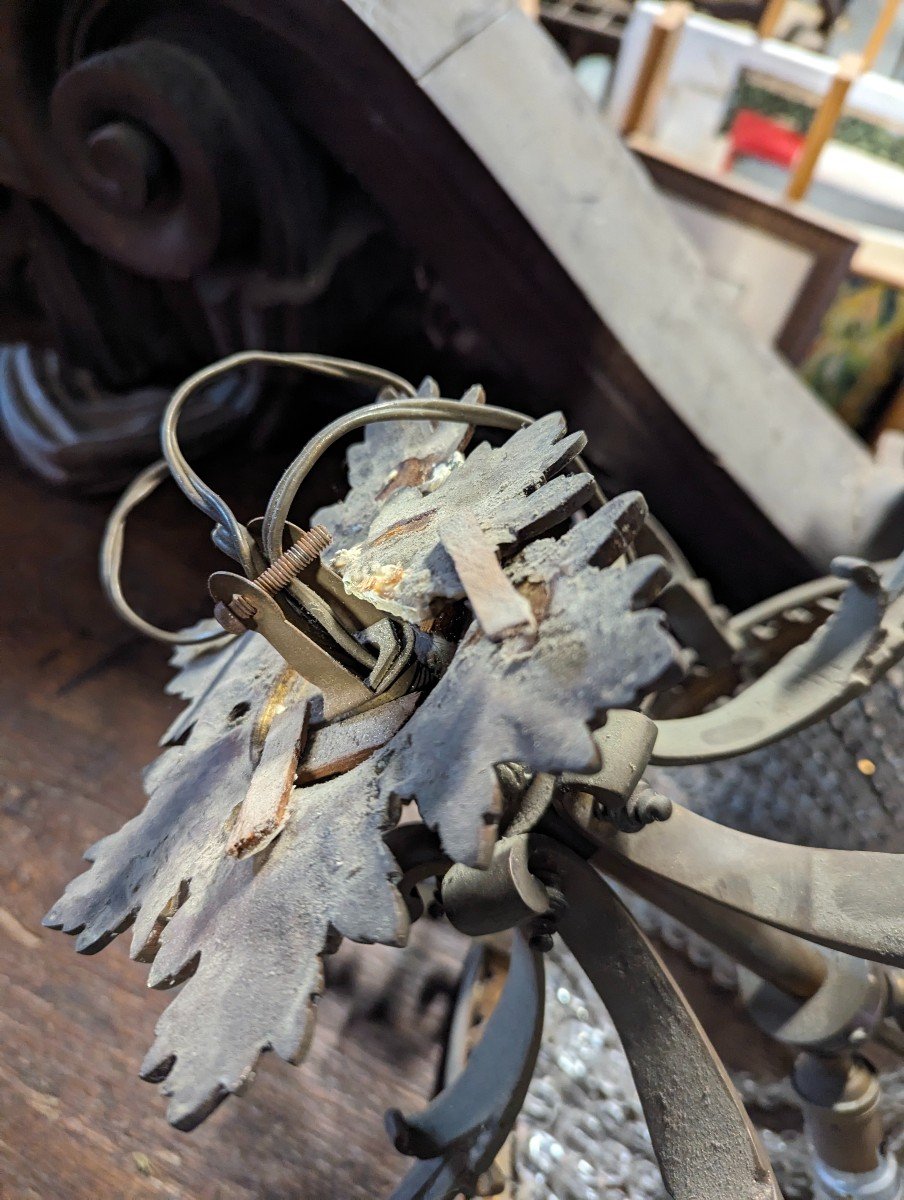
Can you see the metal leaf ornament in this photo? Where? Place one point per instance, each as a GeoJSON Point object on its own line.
{"type": "Point", "coordinates": [246, 935]}
{"type": "Point", "coordinates": [533, 697]}
{"type": "Point", "coordinates": [513, 493]}
{"type": "Point", "coordinates": [474, 645]}
{"type": "Point", "coordinates": [409, 454]}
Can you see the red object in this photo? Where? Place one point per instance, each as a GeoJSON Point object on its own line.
{"type": "Point", "coordinates": [761, 137]}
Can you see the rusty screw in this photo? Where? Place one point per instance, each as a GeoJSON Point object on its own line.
{"type": "Point", "coordinates": [236, 615]}
{"type": "Point", "coordinates": [305, 550]}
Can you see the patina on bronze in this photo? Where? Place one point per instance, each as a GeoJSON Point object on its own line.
{"type": "Point", "coordinates": [478, 642]}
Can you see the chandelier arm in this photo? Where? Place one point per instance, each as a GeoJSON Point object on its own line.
{"type": "Point", "coordinates": [676, 1070]}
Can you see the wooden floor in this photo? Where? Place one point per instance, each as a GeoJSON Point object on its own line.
{"type": "Point", "coordinates": [81, 708]}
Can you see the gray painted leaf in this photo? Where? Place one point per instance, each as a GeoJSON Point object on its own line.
{"type": "Point", "coordinates": [393, 455]}
{"type": "Point", "coordinates": [141, 871]}
{"type": "Point", "coordinates": [258, 934]}
{"type": "Point", "coordinates": [534, 699]}
{"type": "Point", "coordinates": [247, 935]}
{"type": "Point", "coordinates": [513, 493]}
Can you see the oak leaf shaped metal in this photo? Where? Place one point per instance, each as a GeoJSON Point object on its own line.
{"type": "Point", "coordinates": [534, 698]}
{"type": "Point", "coordinates": [258, 932]}
{"type": "Point", "coordinates": [514, 493]}
{"type": "Point", "coordinates": [141, 873]}
{"type": "Point", "coordinates": [246, 936]}
{"type": "Point", "coordinates": [394, 455]}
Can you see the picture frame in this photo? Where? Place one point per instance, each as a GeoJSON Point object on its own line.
{"type": "Point", "coordinates": [696, 85]}
{"type": "Point", "coordinates": [781, 266]}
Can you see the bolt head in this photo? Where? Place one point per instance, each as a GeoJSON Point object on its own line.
{"type": "Point", "coordinates": [228, 619]}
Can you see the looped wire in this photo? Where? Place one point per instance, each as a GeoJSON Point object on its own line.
{"type": "Point", "coordinates": [111, 561]}
{"type": "Point", "coordinates": [229, 534]}
{"type": "Point", "coordinates": [232, 535]}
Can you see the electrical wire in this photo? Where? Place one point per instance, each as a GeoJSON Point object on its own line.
{"type": "Point", "coordinates": [111, 551]}
{"type": "Point", "coordinates": [230, 535]}
{"type": "Point", "coordinates": [235, 535]}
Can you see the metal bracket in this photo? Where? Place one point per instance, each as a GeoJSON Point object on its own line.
{"type": "Point", "coordinates": [343, 692]}
{"type": "Point", "coordinates": [845, 1011]}
{"type": "Point", "coordinates": [504, 895]}
{"type": "Point", "coordinates": [860, 642]}
{"type": "Point", "coordinates": [625, 744]}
